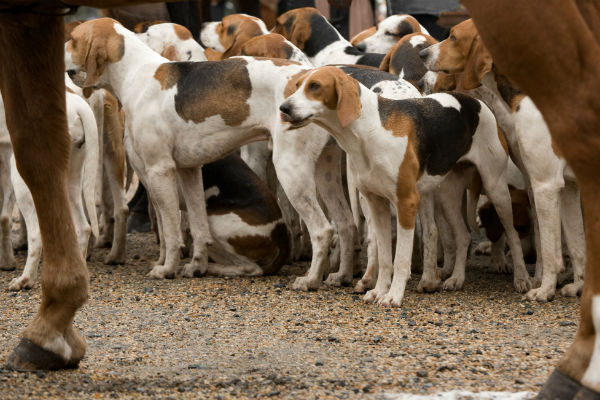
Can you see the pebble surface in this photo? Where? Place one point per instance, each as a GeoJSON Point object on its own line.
{"type": "Point", "coordinates": [222, 338]}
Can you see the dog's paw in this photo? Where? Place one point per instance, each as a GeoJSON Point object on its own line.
{"type": "Point", "coordinates": [372, 296]}
{"type": "Point", "coordinates": [522, 284]}
{"type": "Point", "coordinates": [363, 285]}
{"type": "Point", "coordinates": [161, 272]}
{"type": "Point", "coordinates": [454, 283]}
{"type": "Point", "coordinates": [572, 289]}
{"type": "Point", "coordinates": [21, 283]}
{"type": "Point", "coordinates": [483, 248]}
{"type": "Point", "coordinates": [429, 285]}
{"type": "Point", "coordinates": [337, 279]}
{"type": "Point", "coordinates": [541, 294]}
{"type": "Point", "coordinates": [391, 299]}
{"type": "Point", "coordinates": [305, 284]}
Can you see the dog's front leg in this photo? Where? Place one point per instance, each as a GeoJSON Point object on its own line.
{"type": "Point", "coordinates": [379, 211]}
{"type": "Point", "coordinates": [193, 193]}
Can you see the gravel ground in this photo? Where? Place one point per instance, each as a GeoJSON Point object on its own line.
{"type": "Point", "coordinates": [224, 338]}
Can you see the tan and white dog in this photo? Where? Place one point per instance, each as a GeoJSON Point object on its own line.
{"type": "Point", "coordinates": [387, 33]}
{"type": "Point", "coordinates": [409, 154]}
{"type": "Point", "coordinates": [83, 168]}
{"type": "Point", "coordinates": [179, 116]}
{"type": "Point", "coordinates": [551, 183]}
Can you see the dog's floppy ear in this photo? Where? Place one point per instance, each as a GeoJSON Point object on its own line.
{"type": "Point", "coordinates": [94, 61]}
{"type": "Point", "coordinates": [348, 99]}
{"type": "Point", "coordinates": [235, 49]}
{"type": "Point", "coordinates": [385, 63]}
{"type": "Point", "coordinates": [212, 55]}
{"type": "Point", "coordinates": [479, 62]}
{"type": "Point", "coordinates": [296, 30]}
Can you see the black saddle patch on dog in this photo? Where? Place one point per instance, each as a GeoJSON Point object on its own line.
{"type": "Point", "coordinates": [372, 59]}
{"type": "Point", "coordinates": [443, 134]}
{"type": "Point", "coordinates": [406, 58]}
{"type": "Point", "coordinates": [367, 76]}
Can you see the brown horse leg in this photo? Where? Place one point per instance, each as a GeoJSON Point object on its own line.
{"type": "Point", "coordinates": [32, 85]}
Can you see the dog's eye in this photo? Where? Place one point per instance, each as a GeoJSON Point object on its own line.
{"type": "Point", "coordinates": [391, 33]}
{"type": "Point", "coordinates": [313, 86]}
{"type": "Point", "coordinates": [452, 38]}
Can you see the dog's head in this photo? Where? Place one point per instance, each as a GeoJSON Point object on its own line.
{"type": "Point", "coordinates": [93, 44]}
{"type": "Point", "coordinates": [172, 41]}
{"type": "Point", "coordinates": [273, 45]}
{"type": "Point", "coordinates": [388, 32]}
{"type": "Point", "coordinates": [463, 51]}
{"type": "Point", "coordinates": [296, 25]}
{"type": "Point", "coordinates": [229, 35]}
{"type": "Point", "coordinates": [405, 53]}
{"type": "Point", "coordinates": [323, 94]}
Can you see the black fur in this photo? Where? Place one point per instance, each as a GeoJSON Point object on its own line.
{"type": "Point", "coordinates": [444, 134]}
{"type": "Point", "coordinates": [322, 35]}
{"type": "Point", "coordinates": [239, 188]}
{"type": "Point", "coordinates": [406, 58]}
{"type": "Point", "coordinates": [371, 59]}
{"type": "Point", "coordinates": [366, 76]}
{"type": "Point", "coordinates": [403, 29]}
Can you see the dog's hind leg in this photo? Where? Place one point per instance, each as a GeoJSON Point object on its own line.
{"type": "Point", "coordinates": [193, 193]}
{"type": "Point", "coordinates": [370, 276]}
{"type": "Point", "coordinates": [572, 221]}
{"type": "Point", "coordinates": [447, 241]}
{"type": "Point", "coordinates": [7, 257]}
{"type": "Point", "coordinates": [329, 183]}
{"type": "Point", "coordinates": [430, 280]}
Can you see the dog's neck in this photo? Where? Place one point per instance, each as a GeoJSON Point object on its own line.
{"type": "Point", "coordinates": [355, 138]}
{"type": "Point", "coordinates": [121, 74]}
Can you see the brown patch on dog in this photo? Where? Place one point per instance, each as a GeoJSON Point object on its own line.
{"type": "Point", "coordinates": [236, 29]}
{"type": "Point", "coordinates": [166, 75]}
{"type": "Point", "coordinates": [93, 44]}
{"type": "Point", "coordinates": [363, 35]}
{"type": "Point", "coordinates": [211, 88]}
{"type": "Point", "coordinates": [272, 45]}
{"type": "Point", "coordinates": [170, 53]}
{"type": "Point", "coordinates": [294, 25]}
{"type": "Point", "coordinates": [114, 131]}
{"type": "Point", "coordinates": [69, 26]}
{"type": "Point", "coordinates": [332, 87]}
{"type": "Point", "coordinates": [521, 220]}
{"type": "Point", "coordinates": [406, 188]}
{"type": "Point", "coordinates": [182, 32]}
{"type": "Point", "coordinates": [142, 27]}
{"type": "Point", "coordinates": [213, 55]}
{"type": "Point", "coordinates": [445, 82]}
{"type": "Point", "coordinates": [502, 138]}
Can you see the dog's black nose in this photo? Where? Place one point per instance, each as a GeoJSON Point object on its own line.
{"type": "Point", "coordinates": [362, 47]}
{"type": "Point", "coordinates": [71, 73]}
{"type": "Point", "coordinates": [424, 54]}
{"type": "Point", "coordinates": [285, 108]}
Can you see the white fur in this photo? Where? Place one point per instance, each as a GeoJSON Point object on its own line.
{"type": "Point", "coordinates": [381, 41]}
{"type": "Point", "coordinates": [160, 36]}
{"type": "Point", "coordinates": [209, 37]}
{"type": "Point", "coordinates": [591, 378]}
{"type": "Point", "coordinates": [446, 100]}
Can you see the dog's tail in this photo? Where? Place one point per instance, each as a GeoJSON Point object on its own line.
{"type": "Point", "coordinates": [90, 165]}
{"type": "Point", "coordinates": [472, 198]}
{"type": "Point", "coordinates": [353, 194]}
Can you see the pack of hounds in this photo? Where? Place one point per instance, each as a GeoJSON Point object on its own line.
{"type": "Point", "coordinates": [268, 146]}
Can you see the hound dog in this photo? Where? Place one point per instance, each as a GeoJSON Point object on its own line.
{"type": "Point", "coordinates": [411, 146]}
{"type": "Point", "coordinates": [199, 112]}
{"type": "Point", "coordinates": [387, 33]}
{"type": "Point", "coordinates": [172, 41]}
{"type": "Point", "coordinates": [229, 35]}
{"type": "Point", "coordinates": [383, 83]}
{"type": "Point", "coordinates": [403, 58]}
{"type": "Point", "coordinates": [551, 183]}
{"type": "Point", "coordinates": [83, 167]}
{"type": "Point", "coordinates": [319, 40]}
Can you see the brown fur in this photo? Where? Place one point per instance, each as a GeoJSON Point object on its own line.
{"type": "Point", "coordinates": [272, 45]}
{"type": "Point", "coordinates": [95, 44]}
{"type": "Point", "coordinates": [337, 91]}
{"type": "Point", "coordinates": [235, 30]}
{"type": "Point", "coordinates": [34, 100]}
{"type": "Point", "coordinates": [408, 173]}
{"type": "Point", "coordinates": [502, 138]}
{"type": "Point", "coordinates": [182, 32]}
{"type": "Point", "coordinates": [114, 131]}
{"type": "Point", "coordinates": [544, 70]}
{"type": "Point", "coordinates": [69, 26]}
{"type": "Point", "coordinates": [213, 55]}
{"type": "Point", "coordinates": [167, 76]}
{"type": "Point", "coordinates": [294, 25]}
{"type": "Point", "coordinates": [363, 35]}
{"type": "Point", "coordinates": [170, 53]}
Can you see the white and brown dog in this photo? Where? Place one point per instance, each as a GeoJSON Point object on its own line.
{"type": "Point", "coordinates": [172, 41]}
{"type": "Point", "coordinates": [411, 147]}
{"type": "Point", "coordinates": [83, 167]}
{"type": "Point", "coordinates": [179, 116]}
{"type": "Point", "coordinates": [310, 31]}
{"type": "Point", "coordinates": [551, 183]}
{"type": "Point", "coordinates": [227, 36]}
{"type": "Point", "coordinates": [381, 38]}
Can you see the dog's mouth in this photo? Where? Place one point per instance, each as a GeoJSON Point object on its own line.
{"type": "Point", "coordinates": [295, 123]}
